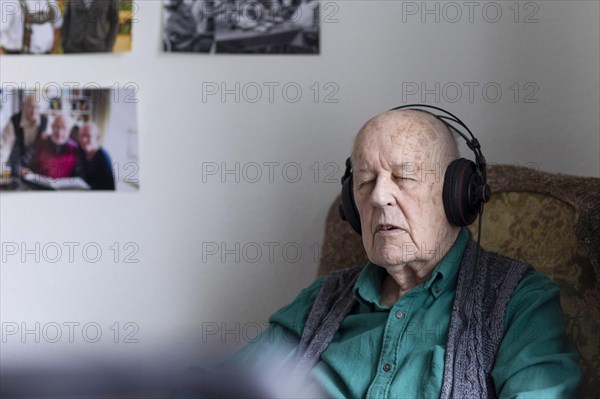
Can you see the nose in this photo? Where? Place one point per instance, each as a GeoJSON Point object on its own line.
{"type": "Point", "coordinates": [383, 192]}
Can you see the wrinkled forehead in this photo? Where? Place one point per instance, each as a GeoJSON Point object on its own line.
{"type": "Point", "coordinates": [397, 136]}
{"type": "Point", "coordinates": [59, 121]}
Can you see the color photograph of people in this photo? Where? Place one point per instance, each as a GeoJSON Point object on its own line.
{"type": "Point", "coordinates": [241, 26]}
{"type": "Point", "coordinates": [72, 139]}
{"type": "Point", "coordinates": [65, 26]}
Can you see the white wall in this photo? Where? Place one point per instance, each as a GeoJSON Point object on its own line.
{"type": "Point", "coordinates": [371, 54]}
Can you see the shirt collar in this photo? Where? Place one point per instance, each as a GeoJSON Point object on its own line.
{"type": "Point", "coordinates": [368, 285]}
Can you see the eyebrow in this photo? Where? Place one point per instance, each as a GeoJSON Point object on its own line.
{"type": "Point", "coordinates": [402, 166]}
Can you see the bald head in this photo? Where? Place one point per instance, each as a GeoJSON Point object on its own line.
{"type": "Point", "coordinates": [399, 161]}
{"type": "Point", "coordinates": [411, 130]}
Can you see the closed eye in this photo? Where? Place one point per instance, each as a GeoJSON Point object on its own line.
{"type": "Point", "coordinates": [364, 183]}
{"type": "Point", "coordinates": [403, 180]}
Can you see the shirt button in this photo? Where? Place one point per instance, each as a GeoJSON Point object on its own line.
{"type": "Point", "coordinates": [399, 314]}
{"type": "Point", "coordinates": [436, 288]}
{"type": "Point", "coordinates": [387, 367]}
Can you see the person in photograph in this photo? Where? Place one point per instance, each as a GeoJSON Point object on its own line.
{"type": "Point", "coordinates": [56, 156]}
{"type": "Point", "coordinates": [30, 27]}
{"type": "Point", "coordinates": [305, 13]}
{"type": "Point", "coordinates": [185, 27]}
{"type": "Point", "coordinates": [21, 131]}
{"type": "Point", "coordinates": [306, 17]}
{"type": "Point", "coordinates": [90, 26]}
{"type": "Point", "coordinates": [93, 162]}
{"type": "Point", "coordinates": [289, 8]}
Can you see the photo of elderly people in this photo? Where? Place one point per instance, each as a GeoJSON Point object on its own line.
{"type": "Point", "coordinates": [68, 139]}
{"type": "Point", "coordinates": [241, 26]}
{"type": "Point", "coordinates": [65, 26]}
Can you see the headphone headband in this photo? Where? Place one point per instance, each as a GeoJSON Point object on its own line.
{"type": "Point", "coordinates": [465, 182]}
{"type": "Point", "coordinates": [447, 119]}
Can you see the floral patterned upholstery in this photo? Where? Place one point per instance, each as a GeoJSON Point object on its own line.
{"type": "Point", "coordinates": [551, 221]}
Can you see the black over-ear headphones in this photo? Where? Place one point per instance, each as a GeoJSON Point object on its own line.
{"type": "Point", "coordinates": [465, 182]}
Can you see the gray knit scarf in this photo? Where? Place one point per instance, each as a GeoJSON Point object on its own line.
{"type": "Point", "coordinates": [476, 325]}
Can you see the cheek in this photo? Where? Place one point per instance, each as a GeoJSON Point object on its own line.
{"type": "Point", "coordinates": [436, 202]}
{"type": "Point", "coordinates": [425, 205]}
{"type": "Point", "coordinates": [433, 209]}
{"type": "Point", "coordinates": [361, 206]}
{"type": "Point", "coordinates": [365, 224]}
{"type": "Point", "coordinates": [366, 216]}
{"type": "Point", "coordinates": [367, 241]}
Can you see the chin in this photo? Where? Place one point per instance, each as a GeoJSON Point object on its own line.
{"type": "Point", "coordinates": [384, 250]}
{"type": "Point", "coordinates": [391, 259]}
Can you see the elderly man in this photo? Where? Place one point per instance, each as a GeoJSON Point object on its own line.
{"type": "Point", "coordinates": [56, 157]}
{"type": "Point", "coordinates": [93, 164]}
{"type": "Point", "coordinates": [21, 132]}
{"type": "Point", "coordinates": [430, 315]}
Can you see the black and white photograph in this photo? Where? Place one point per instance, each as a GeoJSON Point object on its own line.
{"type": "Point", "coordinates": [241, 26]}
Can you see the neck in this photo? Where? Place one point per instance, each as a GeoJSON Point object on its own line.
{"type": "Point", "coordinates": [394, 287]}
{"type": "Point", "coordinates": [403, 278]}
{"type": "Point", "coordinates": [57, 148]}
{"type": "Point", "coordinates": [90, 154]}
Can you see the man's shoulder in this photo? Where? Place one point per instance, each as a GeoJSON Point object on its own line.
{"type": "Point", "coordinates": [532, 286]}
{"type": "Point", "coordinates": [499, 269]}
{"type": "Point", "coordinates": [496, 259]}
{"type": "Point", "coordinates": [294, 315]}
{"type": "Point", "coordinates": [104, 157]}
{"type": "Point", "coordinates": [531, 278]}
{"type": "Point", "coordinates": [536, 354]}
{"type": "Point", "coordinates": [72, 144]}
{"type": "Point", "coordinates": [16, 118]}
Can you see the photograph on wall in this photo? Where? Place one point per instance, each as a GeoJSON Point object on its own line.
{"type": "Point", "coordinates": [65, 26]}
{"type": "Point", "coordinates": [241, 26]}
{"type": "Point", "coordinates": [69, 139]}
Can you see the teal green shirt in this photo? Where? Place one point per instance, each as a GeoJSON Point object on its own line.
{"type": "Point", "coordinates": [398, 351]}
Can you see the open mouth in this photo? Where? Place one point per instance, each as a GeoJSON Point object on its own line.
{"type": "Point", "coordinates": [386, 227]}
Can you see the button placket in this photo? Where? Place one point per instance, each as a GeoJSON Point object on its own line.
{"type": "Point", "coordinates": [393, 332]}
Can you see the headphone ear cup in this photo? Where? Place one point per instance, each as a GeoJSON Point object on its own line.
{"type": "Point", "coordinates": [460, 184]}
{"type": "Point", "coordinates": [348, 209]}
